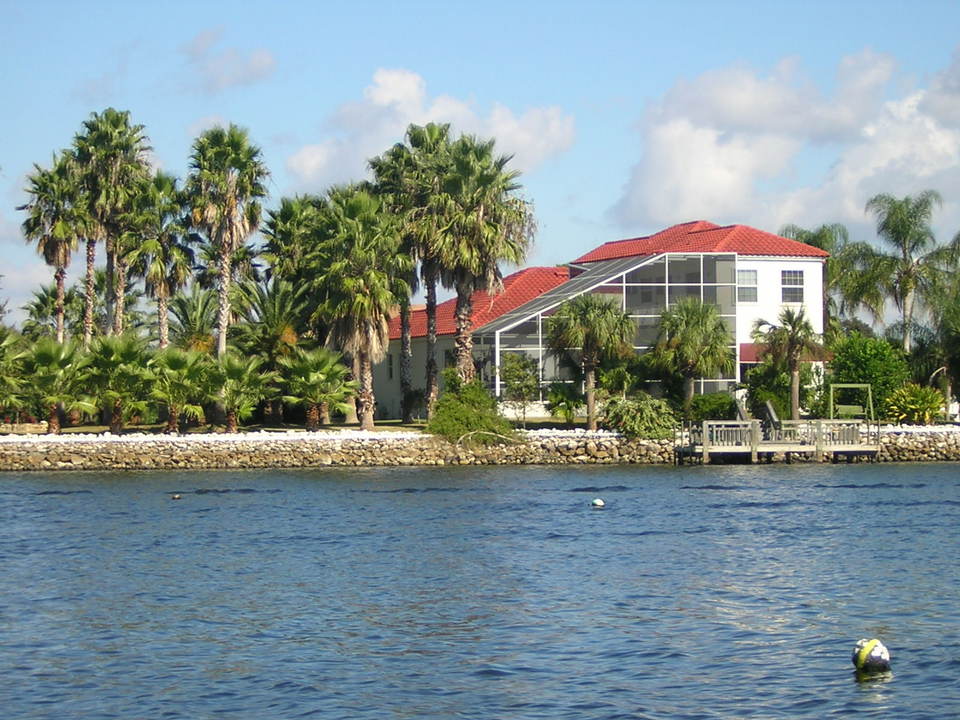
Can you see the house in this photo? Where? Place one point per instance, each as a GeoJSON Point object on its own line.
{"type": "Point", "coordinates": [748, 273]}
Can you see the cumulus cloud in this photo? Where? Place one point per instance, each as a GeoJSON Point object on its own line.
{"type": "Point", "coordinates": [721, 146]}
{"type": "Point", "coordinates": [219, 69]}
{"type": "Point", "coordinates": [361, 129]}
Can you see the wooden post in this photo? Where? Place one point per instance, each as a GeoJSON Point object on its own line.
{"type": "Point", "coordinates": [754, 440]}
{"type": "Point", "coordinates": [819, 441]}
{"type": "Point", "coordinates": [706, 444]}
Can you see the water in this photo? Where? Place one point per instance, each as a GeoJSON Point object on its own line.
{"type": "Point", "coordinates": [718, 592]}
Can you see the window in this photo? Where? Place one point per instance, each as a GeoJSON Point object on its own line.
{"type": "Point", "coordinates": [746, 285]}
{"type": "Point", "coordinates": [390, 366]}
{"type": "Point", "coordinates": [791, 282]}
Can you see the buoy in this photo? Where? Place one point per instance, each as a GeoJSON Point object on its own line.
{"type": "Point", "coordinates": [597, 503]}
{"type": "Point", "coordinates": [175, 496]}
{"type": "Point", "coordinates": [871, 656]}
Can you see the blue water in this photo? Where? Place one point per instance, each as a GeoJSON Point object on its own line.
{"type": "Point", "coordinates": [717, 592]}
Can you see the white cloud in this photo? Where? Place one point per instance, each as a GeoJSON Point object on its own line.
{"type": "Point", "coordinates": [362, 129]}
{"type": "Point", "coordinates": [218, 70]}
{"type": "Point", "coordinates": [727, 146]}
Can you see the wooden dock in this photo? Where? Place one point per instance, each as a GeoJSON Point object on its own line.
{"type": "Point", "coordinates": [749, 439]}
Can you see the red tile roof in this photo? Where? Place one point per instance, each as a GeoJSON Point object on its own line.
{"type": "Point", "coordinates": [703, 236]}
{"type": "Point", "coordinates": [518, 288]}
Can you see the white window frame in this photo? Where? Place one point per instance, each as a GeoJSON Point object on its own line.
{"type": "Point", "coordinates": [791, 281]}
{"type": "Point", "coordinates": [743, 274]}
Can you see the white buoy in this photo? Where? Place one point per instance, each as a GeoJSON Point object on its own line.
{"type": "Point", "coordinates": [597, 503]}
{"type": "Point", "coordinates": [871, 656]}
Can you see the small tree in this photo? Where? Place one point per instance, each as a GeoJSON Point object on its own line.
{"type": "Point", "coordinates": [858, 359]}
{"type": "Point", "coordinates": [564, 400]}
{"type": "Point", "coordinates": [180, 379]}
{"type": "Point", "coordinates": [519, 373]}
{"type": "Point", "coordinates": [116, 372]}
{"type": "Point", "coordinates": [468, 412]}
{"type": "Point", "coordinates": [787, 343]}
{"type": "Point", "coordinates": [55, 376]}
{"type": "Point", "coordinates": [317, 380]}
{"type": "Point", "coordinates": [640, 416]}
{"type": "Point", "coordinates": [240, 384]}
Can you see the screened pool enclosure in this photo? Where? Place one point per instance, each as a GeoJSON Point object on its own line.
{"type": "Point", "coordinates": [642, 286]}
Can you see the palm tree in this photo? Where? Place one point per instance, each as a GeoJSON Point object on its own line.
{"type": "Point", "coordinates": [54, 217]}
{"type": "Point", "coordinates": [116, 374]}
{"type": "Point", "coordinates": [787, 343]}
{"type": "Point", "coordinates": [194, 319]}
{"type": "Point", "coordinates": [489, 224]}
{"type": "Point", "coordinates": [593, 327]}
{"type": "Point", "coordinates": [395, 177]}
{"type": "Point", "coordinates": [693, 341]}
{"type": "Point", "coordinates": [317, 380]}
{"type": "Point", "coordinates": [834, 239]}
{"type": "Point", "coordinates": [915, 264]}
{"type": "Point", "coordinates": [12, 382]}
{"type": "Point", "coordinates": [226, 183]}
{"type": "Point", "coordinates": [240, 384]}
{"type": "Point", "coordinates": [163, 257]}
{"type": "Point", "coordinates": [292, 234]}
{"type": "Point", "coordinates": [180, 382]}
{"type": "Point", "coordinates": [271, 327]}
{"type": "Point", "coordinates": [360, 286]}
{"type": "Point", "coordinates": [56, 379]}
{"type": "Point", "coordinates": [111, 155]}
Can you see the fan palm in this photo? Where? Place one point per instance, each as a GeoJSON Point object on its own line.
{"type": "Point", "coordinates": [693, 342]}
{"type": "Point", "coordinates": [111, 154]}
{"type": "Point", "coordinates": [226, 183]}
{"type": "Point", "coordinates": [360, 286]}
{"type": "Point", "coordinates": [56, 379]}
{"type": "Point", "coordinates": [787, 343]}
{"type": "Point", "coordinates": [12, 381]}
{"type": "Point", "coordinates": [180, 383]}
{"type": "Point", "coordinates": [194, 317]}
{"type": "Point", "coordinates": [292, 235]}
{"type": "Point", "coordinates": [593, 328]}
{"type": "Point", "coordinates": [240, 385]}
{"type": "Point", "coordinates": [55, 216]}
{"type": "Point", "coordinates": [162, 257]}
{"type": "Point", "coordinates": [116, 374]}
{"type": "Point", "coordinates": [317, 380]}
{"type": "Point", "coordinates": [488, 224]}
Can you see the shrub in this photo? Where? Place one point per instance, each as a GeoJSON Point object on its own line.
{"type": "Point", "coordinates": [769, 381]}
{"type": "Point", "coordinates": [914, 404]}
{"type": "Point", "coordinates": [859, 359]}
{"type": "Point", "coordinates": [713, 406]}
{"type": "Point", "coordinates": [521, 384]}
{"type": "Point", "coordinates": [640, 416]}
{"type": "Point", "coordinates": [564, 400]}
{"type": "Point", "coordinates": [468, 411]}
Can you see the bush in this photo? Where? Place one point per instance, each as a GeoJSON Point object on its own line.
{"type": "Point", "coordinates": [468, 411]}
{"type": "Point", "coordinates": [564, 400]}
{"type": "Point", "coordinates": [713, 406]}
{"type": "Point", "coordinates": [859, 359]}
{"type": "Point", "coordinates": [914, 404]}
{"type": "Point", "coordinates": [521, 384]}
{"type": "Point", "coordinates": [640, 416]}
{"type": "Point", "coordinates": [769, 381]}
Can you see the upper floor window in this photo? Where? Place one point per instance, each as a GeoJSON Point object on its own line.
{"type": "Point", "coordinates": [746, 285]}
{"type": "Point", "coordinates": [791, 282]}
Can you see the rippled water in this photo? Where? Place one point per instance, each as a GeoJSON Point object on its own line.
{"type": "Point", "coordinates": [718, 592]}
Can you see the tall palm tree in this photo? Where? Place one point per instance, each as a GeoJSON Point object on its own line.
{"type": "Point", "coordinates": [395, 178]}
{"type": "Point", "coordinates": [292, 234]}
{"type": "Point", "coordinates": [787, 343]}
{"type": "Point", "coordinates": [194, 319]}
{"type": "Point", "coordinates": [111, 155]}
{"type": "Point", "coordinates": [54, 217]}
{"type": "Point", "coordinates": [56, 379]}
{"type": "Point", "coordinates": [163, 256]}
{"type": "Point", "coordinates": [359, 288]}
{"type": "Point", "coordinates": [693, 341]}
{"type": "Point", "coordinates": [834, 239]}
{"type": "Point", "coordinates": [489, 224]}
{"type": "Point", "coordinates": [593, 328]}
{"type": "Point", "coordinates": [227, 180]}
{"type": "Point", "coordinates": [317, 380]}
{"type": "Point", "coordinates": [915, 263]}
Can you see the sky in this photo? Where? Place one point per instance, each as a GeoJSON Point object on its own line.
{"type": "Point", "coordinates": [623, 117]}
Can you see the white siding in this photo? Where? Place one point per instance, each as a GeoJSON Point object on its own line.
{"type": "Point", "coordinates": [769, 302]}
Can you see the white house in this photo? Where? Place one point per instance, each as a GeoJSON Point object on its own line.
{"type": "Point", "coordinates": [748, 273]}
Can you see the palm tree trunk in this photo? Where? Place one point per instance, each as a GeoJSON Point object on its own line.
{"type": "Point", "coordinates": [119, 295]}
{"type": "Point", "coordinates": [325, 413]}
{"type": "Point", "coordinates": [795, 393]}
{"type": "Point", "coordinates": [908, 321]}
{"type": "Point", "coordinates": [89, 293]}
{"type": "Point", "coordinates": [231, 424]}
{"type": "Point", "coordinates": [689, 385]}
{"type": "Point", "coordinates": [60, 277]}
{"type": "Point", "coordinates": [116, 417]}
{"type": "Point", "coordinates": [111, 260]}
{"type": "Point", "coordinates": [313, 417]}
{"type": "Point", "coordinates": [163, 322]}
{"type": "Point", "coordinates": [223, 297]}
{"type": "Point", "coordinates": [350, 416]}
{"type": "Point", "coordinates": [406, 357]}
{"type": "Point", "coordinates": [53, 418]}
{"type": "Point", "coordinates": [433, 387]}
{"type": "Point", "coordinates": [365, 397]}
{"type": "Point", "coordinates": [589, 383]}
{"type": "Point", "coordinates": [173, 414]}
{"type": "Point", "coordinates": [463, 343]}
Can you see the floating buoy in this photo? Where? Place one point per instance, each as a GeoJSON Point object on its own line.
{"type": "Point", "coordinates": [597, 503]}
{"type": "Point", "coordinates": [871, 656]}
{"type": "Point", "coordinates": [176, 496]}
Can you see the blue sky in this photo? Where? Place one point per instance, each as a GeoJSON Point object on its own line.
{"type": "Point", "coordinates": [624, 117]}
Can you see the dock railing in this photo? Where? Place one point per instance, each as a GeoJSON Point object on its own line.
{"type": "Point", "coordinates": [800, 436]}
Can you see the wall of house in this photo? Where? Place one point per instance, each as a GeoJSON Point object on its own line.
{"type": "Point", "coordinates": [386, 374]}
{"type": "Point", "coordinates": [769, 292]}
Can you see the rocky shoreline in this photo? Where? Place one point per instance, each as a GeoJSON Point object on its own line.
{"type": "Point", "coordinates": [354, 448]}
